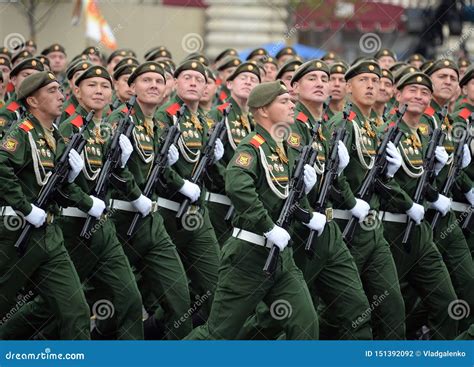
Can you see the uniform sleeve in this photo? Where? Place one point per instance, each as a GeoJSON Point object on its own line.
{"type": "Point", "coordinates": [241, 183]}
{"type": "Point", "coordinates": [13, 153]}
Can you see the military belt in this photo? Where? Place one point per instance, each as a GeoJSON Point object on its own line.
{"type": "Point", "coordinates": [122, 205]}
{"type": "Point", "coordinates": [168, 204]}
{"type": "Point", "coordinates": [73, 212]}
{"type": "Point", "coordinates": [460, 207]}
{"type": "Point", "coordinates": [8, 211]}
{"type": "Point", "coordinates": [251, 237]}
{"type": "Point", "coordinates": [218, 198]}
{"type": "Point", "coordinates": [341, 214]}
{"type": "Point", "coordinates": [393, 217]}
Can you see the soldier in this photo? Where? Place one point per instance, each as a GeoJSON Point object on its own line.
{"type": "Point", "coordinates": [27, 155]}
{"type": "Point", "coordinates": [257, 54]}
{"type": "Point", "coordinates": [57, 59]}
{"type": "Point", "coordinates": [123, 92]}
{"type": "Point", "coordinates": [238, 125]}
{"type": "Point", "coordinates": [284, 55]}
{"type": "Point", "coordinates": [448, 235]}
{"type": "Point", "coordinates": [337, 88]}
{"type": "Point", "coordinates": [384, 95]}
{"type": "Point", "coordinates": [257, 194]}
{"type": "Point", "coordinates": [115, 57]}
{"type": "Point", "coordinates": [416, 60]}
{"type": "Point", "coordinates": [150, 249]}
{"type": "Point", "coordinates": [271, 68]}
{"type": "Point", "coordinates": [94, 55]}
{"type": "Point", "coordinates": [159, 53]}
{"type": "Point", "coordinates": [20, 56]}
{"type": "Point", "coordinates": [286, 72]}
{"type": "Point", "coordinates": [422, 267]}
{"type": "Point", "coordinates": [207, 100]}
{"type": "Point", "coordinates": [368, 246]}
{"type": "Point", "coordinates": [330, 58]}
{"type": "Point", "coordinates": [14, 110]}
{"type": "Point", "coordinates": [225, 68]}
{"type": "Point", "coordinates": [385, 57]}
{"type": "Point", "coordinates": [222, 55]}
{"type": "Point", "coordinates": [193, 235]}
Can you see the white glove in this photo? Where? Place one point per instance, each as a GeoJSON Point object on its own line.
{"type": "Point", "coordinates": [37, 216]}
{"type": "Point", "coordinates": [218, 150]}
{"type": "Point", "coordinates": [173, 155]}
{"type": "Point", "coordinates": [309, 178]}
{"type": "Point", "coordinates": [416, 212]}
{"type": "Point", "coordinates": [126, 148]}
{"type": "Point", "coordinates": [143, 205]}
{"type": "Point", "coordinates": [317, 223]}
{"type": "Point", "coordinates": [470, 196]}
{"type": "Point", "coordinates": [441, 159]}
{"type": "Point", "coordinates": [394, 160]}
{"type": "Point", "coordinates": [466, 156]}
{"type": "Point", "coordinates": [192, 191]}
{"type": "Point", "coordinates": [360, 210]}
{"type": "Point", "coordinates": [278, 236]}
{"type": "Point", "coordinates": [98, 207]}
{"type": "Point", "coordinates": [443, 204]}
{"type": "Point", "coordinates": [343, 155]}
{"type": "Point", "coordinates": [76, 163]}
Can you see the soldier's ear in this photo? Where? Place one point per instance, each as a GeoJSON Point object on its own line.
{"type": "Point", "coordinates": [77, 91]}
{"type": "Point", "coordinates": [349, 87]}
{"type": "Point", "coordinates": [132, 88]}
{"type": "Point", "coordinates": [229, 84]}
{"type": "Point", "coordinates": [464, 89]}
{"type": "Point", "coordinates": [398, 95]}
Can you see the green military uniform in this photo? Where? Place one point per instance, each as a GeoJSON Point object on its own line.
{"type": "Point", "coordinates": [27, 156]}
{"type": "Point", "coordinates": [150, 250]}
{"type": "Point", "coordinates": [369, 247]}
{"type": "Point", "coordinates": [257, 192]}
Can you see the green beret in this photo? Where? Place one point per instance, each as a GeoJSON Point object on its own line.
{"type": "Point", "coordinates": [397, 66]}
{"type": "Point", "coordinates": [211, 74]}
{"type": "Point", "coordinates": [123, 70]}
{"type": "Point", "coordinates": [308, 67]}
{"type": "Point", "coordinates": [126, 61]}
{"type": "Point", "coordinates": [92, 72]}
{"type": "Point", "coordinates": [269, 60]}
{"type": "Point", "coordinates": [171, 64]}
{"type": "Point", "coordinates": [265, 93]}
{"type": "Point", "coordinates": [468, 75]}
{"type": "Point", "coordinates": [285, 51]}
{"type": "Point", "coordinates": [21, 55]}
{"type": "Point", "coordinates": [463, 62]}
{"type": "Point", "coordinates": [191, 65]}
{"type": "Point", "coordinates": [156, 52]}
{"type": "Point", "coordinates": [79, 65]}
{"type": "Point", "coordinates": [228, 62]}
{"type": "Point", "coordinates": [289, 66]}
{"type": "Point", "coordinates": [5, 51]}
{"type": "Point", "coordinates": [198, 57]}
{"type": "Point", "coordinates": [225, 53]}
{"type": "Point", "coordinates": [426, 65]}
{"type": "Point", "coordinates": [246, 67]}
{"type": "Point", "coordinates": [360, 58]}
{"type": "Point", "coordinates": [124, 52]}
{"type": "Point", "coordinates": [415, 78]}
{"type": "Point", "coordinates": [400, 73]}
{"type": "Point", "coordinates": [34, 82]}
{"type": "Point", "coordinates": [260, 52]}
{"type": "Point", "coordinates": [441, 64]}
{"type": "Point", "coordinates": [146, 67]}
{"type": "Point", "coordinates": [79, 57]}
{"type": "Point", "coordinates": [385, 52]}
{"type": "Point", "coordinates": [387, 74]}
{"type": "Point", "coordinates": [339, 67]}
{"type": "Point", "coordinates": [21, 46]}
{"type": "Point", "coordinates": [329, 56]}
{"type": "Point", "coordinates": [416, 57]}
{"type": "Point", "coordinates": [166, 67]}
{"type": "Point", "coordinates": [363, 66]}
{"type": "Point", "coordinates": [92, 51]}
{"type": "Point", "coordinates": [44, 60]}
{"type": "Point", "coordinates": [5, 61]}
{"type": "Point", "coordinates": [55, 47]}
{"type": "Point", "coordinates": [30, 63]}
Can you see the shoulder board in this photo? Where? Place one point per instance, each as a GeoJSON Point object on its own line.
{"type": "Point", "coordinates": [222, 107]}
{"type": "Point", "coordinates": [77, 121]}
{"type": "Point", "coordinates": [13, 106]}
{"type": "Point", "coordinates": [26, 126]}
{"type": "Point", "coordinates": [464, 113]}
{"type": "Point", "coordinates": [223, 96]}
{"type": "Point", "coordinates": [257, 140]}
{"type": "Point", "coordinates": [70, 109]}
{"type": "Point", "coordinates": [302, 117]}
{"type": "Point", "coordinates": [10, 87]}
{"type": "Point", "coordinates": [352, 116]}
{"type": "Point", "coordinates": [325, 117]}
{"type": "Point", "coordinates": [464, 100]}
{"type": "Point", "coordinates": [173, 109]}
{"type": "Point", "coordinates": [218, 81]}
{"type": "Point", "coordinates": [393, 111]}
{"type": "Point", "coordinates": [430, 111]}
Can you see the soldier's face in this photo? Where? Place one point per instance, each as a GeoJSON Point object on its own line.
{"type": "Point", "coordinates": [169, 84]}
{"type": "Point", "coordinates": [313, 87]}
{"type": "Point", "coordinates": [243, 84]}
{"type": "Point", "coordinates": [270, 71]}
{"type": "Point", "coordinates": [57, 61]}
{"type": "Point", "coordinates": [6, 73]}
{"type": "Point", "coordinates": [94, 93]}
{"type": "Point", "coordinates": [416, 96]}
{"type": "Point", "coordinates": [385, 90]}
{"type": "Point", "coordinates": [209, 91]}
{"type": "Point", "coordinates": [112, 63]}
{"type": "Point", "coordinates": [123, 90]}
{"type": "Point", "coordinates": [224, 74]}
{"type": "Point", "coordinates": [149, 88]}
{"type": "Point", "coordinates": [444, 84]}
{"type": "Point", "coordinates": [386, 61]}
{"type": "Point", "coordinates": [95, 59]}
{"type": "Point", "coordinates": [282, 109]}
{"type": "Point", "coordinates": [286, 79]}
{"type": "Point", "coordinates": [416, 64]}
{"type": "Point", "coordinates": [284, 59]}
{"type": "Point", "coordinates": [337, 86]}
{"type": "Point", "coordinates": [18, 79]}
{"type": "Point", "coordinates": [190, 85]}
{"type": "Point", "coordinates": [364, 88]}
{"type": "Point", "coordinates": [49, 100]}
{"type": "Point", "coordinates": [468, 90]}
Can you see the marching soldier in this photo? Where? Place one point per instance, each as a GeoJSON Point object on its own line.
{"type": "Point", "coordinates": [122, 90]}
{"type": "Point", "coordinates": [284, 55]}
{"type": "Point", "coordinates": [27, 155]}
{"type": "Point", "coordinates": [116, 56]}
{"type": "Point", "coordinates": [207, 100]}
{"type": "Point", "coordinates": [5, 67]}
{"type": "Point", "coordinates": [226, 68]}
{"type": "Point", "coordinates": [385, 58]}
{"type": "Point", "coordinates": [384, 95]}
{"type": "Point", "coordinates": [257, 194]}
{"type": "Point", "coordinates": [286, 72]}
{"type": "Point", "coordinates": [337, 86]}
{"type": "Point", "coordinates": [57, 59]}
{"type": "Point", "coordinates": [271, 69]}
